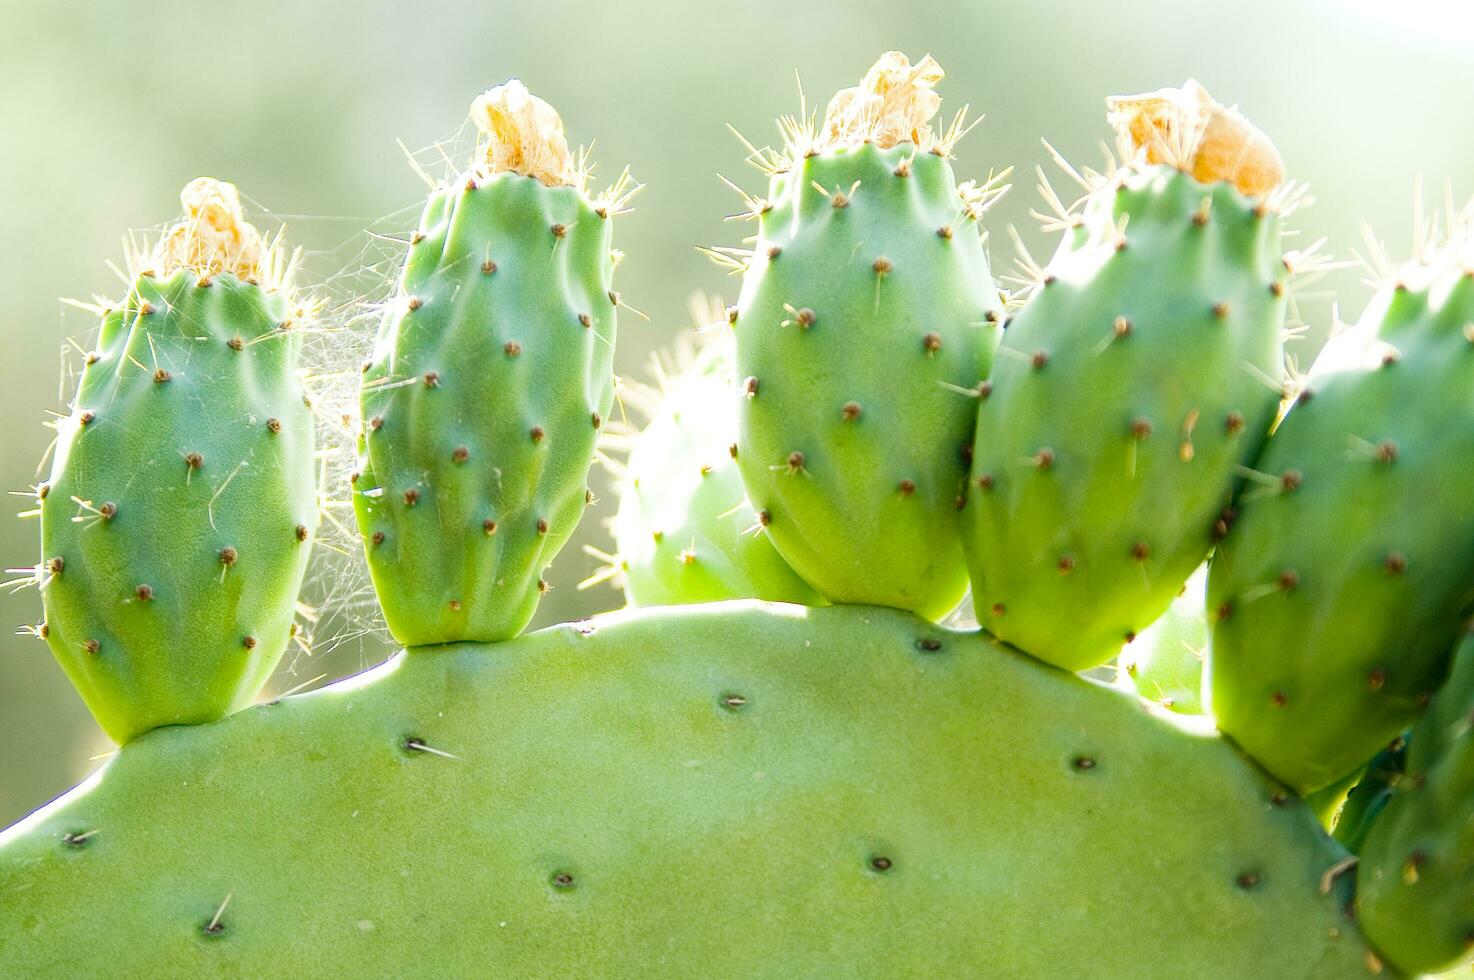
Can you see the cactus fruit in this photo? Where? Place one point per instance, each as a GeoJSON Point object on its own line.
{"type": "Point", "coordinates": [866, 322]}
{"type": "Point", "coordinates": [691, 791]}
{"type": "Point", "coordinates": [182, 503]}
{"type": "Point", "coordinates": [684, 529]}
{"type": "Point", "coordinates": [1338, 595]}
{"type": "Point", "coordinates": [488, 384]}
{"type": "Point", "coordinates": [1415, 880]}
{"type": "Point", "coordinates": [1143, 371]}
{"type": "Point", "coordinates": [1165, 663]}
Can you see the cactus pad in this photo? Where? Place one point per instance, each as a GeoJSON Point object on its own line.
{"type": "Point", "coordinates": [867, 319]}
{"type": "Point", "coordinates": [1337, 597]}
{"type": "Point", "coordinates": [181, 506]}
{"type": "Point", "coordinates": [685, 530]}
{"type": "Point", "coordinates": [490, 379]}
{"type": "Point", "coordinates": [729, 790]}
{"type": "Point", "coordinates": [1415, 882]}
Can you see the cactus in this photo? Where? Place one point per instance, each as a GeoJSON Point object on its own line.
{"type": "Point", "coordinates": [755, 788]}
{"type": "Point", "coordinates": [181, 506]}
{"type": "Point", "coordinates": [866, 321]}
{"type": "Point", "coordinates": [684, 529]}
{"type": "Point", "coordinates": [1385, 776]}
{"type": "Point", "coordinates": [1165, 663]}
{"type": "Point", "coordinates": [1415, 882]}
{"type": "Point", "coordinates": [1138, 377]}
{"type": "Point", "coordinates": [731, 790]}
{"type": "Point", "coordinates": [489, 381]}
{"type": "Point", "coordinates": [1338, 595]}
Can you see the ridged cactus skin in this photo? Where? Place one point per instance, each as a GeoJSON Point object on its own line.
{"type": "Point", "coordinates": [793, 792]}
{"type": "Point", "coordinates": [170, 589]}
{"type": "Point", "coordinates": [1165, 663]}
{"type": "Point", "coordinates": [1415, 881]}
{"type": "Point", "coordinates": [1127, 392]}
{"type": "Point", "coordinates": [1338, 596]}
{"type": "Point", "coordinates": [685, 529]}
{"type": "Point", "coordinates": [866, 321]}
{"type": "Point", "coordinates": [482, 403]}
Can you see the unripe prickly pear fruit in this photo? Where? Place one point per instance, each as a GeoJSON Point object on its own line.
{"type": "Point", "coordinates": [1338, 595]}
{"type": "Point", "coordinates": [1142, 373]}
{"type": "Point", "coordinates": [1415, 879]}
{"type": "Point", "coordinates": [489, 381]}
{"type": "Point", "coordinates": [1165, 663]}
{"type": "Point", "coordinates": [866, 322]}
{"type": "Point", "coordinates": [685, 530]}
{"type": "Point", "coordinates": [182, 501]}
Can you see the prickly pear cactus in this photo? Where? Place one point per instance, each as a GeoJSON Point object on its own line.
{"type": "Point", "coordinates": [181, 506]}
{"type": "Point", "coordinates": [1165, 663]}
{"type": "Point", "coordinates": [866, 321]}
{"type": "Point", "coordinates": [1140, 375]}
{"type": "Point", "coordinates": [762, 788]}
{"type": "Point", "coordinates": [1338, 595]}
{"type": "Point", "coordinates": [489, 382]}
{"type": "Point", "coordinates": [695, 791]}
{"type": "Point", "coordinates": [685, 531]}
{"type": "Point", "coordinates": [1415, 881]}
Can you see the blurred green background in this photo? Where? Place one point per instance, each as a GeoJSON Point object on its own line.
{"type": "Point", "coordinates": [107, 109]}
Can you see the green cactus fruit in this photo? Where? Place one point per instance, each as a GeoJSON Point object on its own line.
{"type": "Point", "coordinates": [489, 381]}
{"type": "Point", "coordinates": [1165, 663]}
{"type": "Point", "coordinates": [1338, 596]}
{"type": "Point", "coordinates": [684, 529]}
{"type": "Point", "coordinates": [736, 790]}
{"type": "Point", "coordinates": [182, 503]}
{"type": "Point", "coordinates": [866, 322]}
{"type": "Point", "coordinates": [1384, 778]}
{"type": "Point", "coordinates": [1415, 881]}
{"type": "Point", "coordinates": [1140, 375]}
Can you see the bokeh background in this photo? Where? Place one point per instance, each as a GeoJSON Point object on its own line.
{"type": "Point", "coordinates": [106, 110]}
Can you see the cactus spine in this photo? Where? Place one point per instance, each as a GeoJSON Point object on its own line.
{"type": "Point", "coordinates": [489, 382]}
{"type": "Point", "coordinates": [1143, 371]}
{"type": "Point", "coordinates": [1338, 595]}
{"type": "Point", "coordinates": [866, 321]}
{"type": "Point", "coordinates": [685, 529]}
{"type": "Point", "coordinates": [181, 506]}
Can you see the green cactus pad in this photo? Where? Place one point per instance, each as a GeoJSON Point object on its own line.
{"type": "Point", "coordinates": [735, 790]}
{"type": "Point", "coordinates": [1126, 393]}
{"type": "Point", "coordinates": [490, 379]}
{"type": "Point", "coordinates": [1415, 882]}
{"type": "Point", "coordinates": [867, 319]}
{"type": "Point", "coordinates": [1165, 663]}
{"type": "Point", "coordinates": [181, 507]}
{"type": "Point", "coordinates": [685, 529]}
{"type": "Point", "coordinates": [1338, 595]}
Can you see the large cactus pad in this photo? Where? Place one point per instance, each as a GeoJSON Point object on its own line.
{"type": "Point", "coordinates": [736, 790]}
